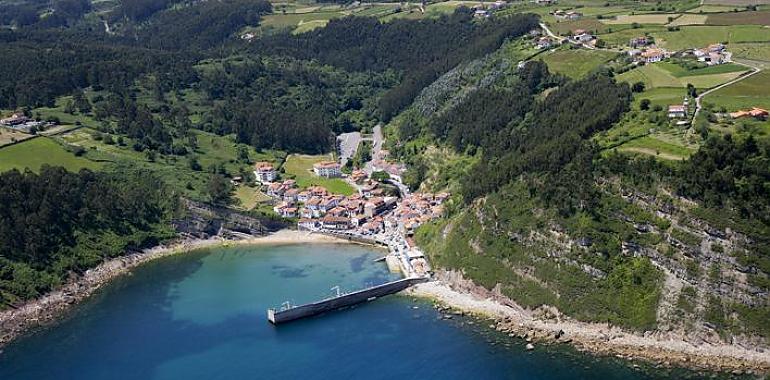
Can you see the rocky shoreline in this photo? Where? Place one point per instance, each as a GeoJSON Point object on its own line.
{"type": "Point", "coordinates": [547, 326]}
{"type": "Point", "coordinates": [46, 309]}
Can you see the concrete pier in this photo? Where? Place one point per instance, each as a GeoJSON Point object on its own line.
{"type": "Point", "coordinates": [345, 300]}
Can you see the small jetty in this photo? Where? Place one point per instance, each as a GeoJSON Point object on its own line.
{"type": "Point", "coordinates": [289, 313]}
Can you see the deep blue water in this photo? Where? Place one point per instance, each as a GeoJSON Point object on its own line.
{"type": "Point", "coordinates": [201, 315]}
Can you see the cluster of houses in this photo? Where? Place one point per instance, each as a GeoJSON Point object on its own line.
{"type": "Point", "coordinates": [754, 112]}
{"type": "Point", "coordinates": [714, 54]}
{"type": "Point", "coordinates": [417, 209]}
{"type": "Point", "coordinates": [566, 15]}
{"type": "Point", "coordinates": [582, 36]}
{"type": "Point", "coordinates": [380, 162]}
{"type": "Point", "coordinates": [484, 10]}
{"type": "Point", "coordinates": [644, 50]}
{"type": "Point", "coordinates": [544, 42]}
{"type": "Point", "coordinates": [20, 122]}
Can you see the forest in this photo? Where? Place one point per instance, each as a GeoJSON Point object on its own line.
{"type": "Point", "coordinates": [56, 223]}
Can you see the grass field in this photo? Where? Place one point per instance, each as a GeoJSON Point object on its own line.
{"type": "Point", "coordinates": [661, 96]}
{"type": "Point", "coordinates": [642, 19]}
{"type": "Point", "coordinates": [703, 35]}
{"type": "Point", "coordinates": [300, 167]}
{"type": "Point", "coordinates": [35, 153]}
{"type": "Point", "coordinates": [214, 153]}
{"type": "Point", "coordinates": [576, 63]}
{"type": "Point", "coordinates": [750, 92]}
{"type": "Point", "coordinates": [659, 146]}
{"type": "Point", "coordinates": [740, 18]}
{"type": "Point", "coordinates": [249, 197]}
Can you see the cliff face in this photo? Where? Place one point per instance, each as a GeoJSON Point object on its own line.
{"type": "Point", "coordinates": [653, 265]}
{"type": "Point", "coordinates": [203, 221]}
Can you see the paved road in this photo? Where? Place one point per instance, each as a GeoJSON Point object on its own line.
{"type": "Point", "coordinates": [699, 99]}
{"type": "Point", "coordinates": [378, 139]}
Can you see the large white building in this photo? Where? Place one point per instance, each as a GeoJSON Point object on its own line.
{"type": "Point", "coordinates": [328, 169]}
{"type": "Point", "coordinates": [264, 172]}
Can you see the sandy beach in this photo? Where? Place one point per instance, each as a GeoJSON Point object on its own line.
{"type": "Point", "coordinates": [545, 328]}
{"type": "Point", "coordinates": [14, 322]}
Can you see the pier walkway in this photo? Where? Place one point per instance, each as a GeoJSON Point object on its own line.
{"type": "Point", "coordinates": [290, 313]}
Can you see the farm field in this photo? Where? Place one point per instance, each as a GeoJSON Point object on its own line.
{"type": "Point", "coordinates": [642, 19]}
{"type": "Point", "coordinates": [576, 63]}
{"type": "Point", "coordinates": [740, 18]}
{"type": "Point", "coordinates": [621, 37]}
{"type": "Point", "coordinates": [9, 136]}
{"type": "Point", "coordinates": [713, 9]}
{"type": "Point", "coordinates": [39, 151]}
{"type": "Point", "coordinates": [591, 25]}
{"type": "Point", "coordinates": [689, 19]}
{"type": "Point", "coordinates": [300, 168]}
{"type": "Point", "coordinates": [661, 96]}
{"type": "Point", "coordinates": [735, 2]}
{"type": "Point", "coordinates": [755, 51]}
{"type": "Point", "coordinates": [750, 92]}
{"type": "Point", "coordinates": [659, 75]}
{"type": "Point", "coordinates": [703, 35]}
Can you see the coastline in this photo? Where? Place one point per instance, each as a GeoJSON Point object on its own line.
{"type": "Point", "coordinates": [666, 350]}
{"type": "Point", "coordinates": [46, 309]}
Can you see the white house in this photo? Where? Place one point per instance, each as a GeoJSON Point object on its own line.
{"type": "Point", "coordinates": [264, 172]}
{"type": "Point", "coordinates": [677, 111]}
{"type": "Point", "coordinates": [328, 169]}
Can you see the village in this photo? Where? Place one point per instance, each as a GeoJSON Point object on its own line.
{"type": "Point", "coordinates": [382, 212]}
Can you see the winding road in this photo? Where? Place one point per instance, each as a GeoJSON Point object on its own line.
{"type": "Point", "coordinates": [698, 100]}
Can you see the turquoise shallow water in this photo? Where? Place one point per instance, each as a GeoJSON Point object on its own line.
{"type": "Point", "coordinates": [201, 315]}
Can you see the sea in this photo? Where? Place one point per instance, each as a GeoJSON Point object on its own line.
{"type": "Point", "coordinates": [202, 315]}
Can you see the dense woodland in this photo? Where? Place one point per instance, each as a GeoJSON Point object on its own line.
{"type": "Point", "coordinates": [56, 223]}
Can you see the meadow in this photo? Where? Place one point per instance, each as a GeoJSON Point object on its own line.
{"type": "Point", "coordinates": [697, 36]}
{"type": "Point", "coordinates": [214, 154]}
{"type": "Point", "coordinates": [662, 18]}
{"type": "Point", "coordinates": [665, 74]}
{"type": "Point", "coordinates": [576, 63]}
{"type": "Point", "coordinates": [300, 168]}
{"type": "Point", "coordinates": [40, 151]}
{"type": "Point", "coordinates": [659, 146]}
{"type": "Point", "coordinates": [750, 92]}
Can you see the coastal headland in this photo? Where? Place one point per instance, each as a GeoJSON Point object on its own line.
{"type": "Point", "coordinates": [545, 325]}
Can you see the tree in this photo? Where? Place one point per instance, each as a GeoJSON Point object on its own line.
{"type": "Point", "coordinates": [220, 191]}
{"type": "Point", "coordinates": [638, 87]}
{"type": "Point", "coordinates": [644, 104]}
{"type": "Point", "coordinates": [80, 102]}
{"type": "Point", "coordinates": [380, 176]}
